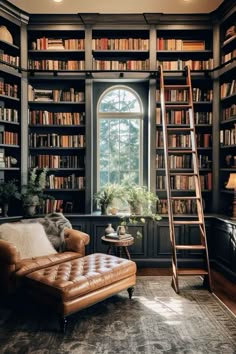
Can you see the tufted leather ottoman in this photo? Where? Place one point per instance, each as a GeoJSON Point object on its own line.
{"type": "Point", "coordinates": [78, 283]}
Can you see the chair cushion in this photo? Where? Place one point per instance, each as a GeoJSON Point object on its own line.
{"type": "Point", "coordinates": [29, 239]}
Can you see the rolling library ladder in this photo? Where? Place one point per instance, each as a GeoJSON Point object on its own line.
{"type": "Point", "coordinates": [189, 147]}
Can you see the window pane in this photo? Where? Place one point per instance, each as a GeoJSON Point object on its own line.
{"type": "Point", "coordinates": [119, 100]}
{"type": "Point", "coordinates": [119, 149]}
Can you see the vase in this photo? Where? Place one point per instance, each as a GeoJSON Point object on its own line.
{"type": "Point", "coordinates": [5, 209]}
{"type": "Point", "coordinates": [121, 230]}
{"type": "Point", "coordinates": [5, 35]}
{"type": "Point", "coordinates": [104, 209]}
{"type": "Point", "coordinates": [109, 229]}
{"type": "Point", "coordinates": [29, 210]}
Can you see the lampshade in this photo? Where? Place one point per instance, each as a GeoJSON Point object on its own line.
{"type": "Point", "coordinates": [231, 184]}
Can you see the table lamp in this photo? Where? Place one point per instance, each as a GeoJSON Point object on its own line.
{"type": "Point", "coordinates": [231, 184]}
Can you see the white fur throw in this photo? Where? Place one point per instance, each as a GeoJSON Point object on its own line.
{"type": "Point", "coordinates": [29, 239]}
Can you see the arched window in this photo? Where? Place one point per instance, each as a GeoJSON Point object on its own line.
{"type": "Point", "coordinates": [120, 136]}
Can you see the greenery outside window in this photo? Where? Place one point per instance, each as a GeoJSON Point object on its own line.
{"type": "Point", "coordinates": [120, 136]}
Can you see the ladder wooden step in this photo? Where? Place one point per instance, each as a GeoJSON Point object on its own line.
{"type": "Point", "coordinates": [192, 271]}
{"type": "Point", "coordinates": [180, 105]}
{"type": "Point", "coordinates": [190, 247]}
{"type": "Point", "coordinates": [186, 198]}
{"type": "Point", "coordinates": [187, 222]}
{"type": "Point", "coordinates": [183, 174]}
{"type": "Point", "coordinates": [176, 87]}
{"type": "Point", "coordinates": [182, 151]}
{"type": "Point", "coordinates": [183, 129]}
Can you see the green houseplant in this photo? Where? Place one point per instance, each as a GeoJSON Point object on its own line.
{"type": "Point", "coordinates": [8, 191]}
{"type": "Point", "coordinates": [107, 194]}
{"type": "Point", "coordinates": [32, 194]}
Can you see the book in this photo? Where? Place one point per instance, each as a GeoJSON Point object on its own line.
{"type": "Point", "coordinates": [114, 236]}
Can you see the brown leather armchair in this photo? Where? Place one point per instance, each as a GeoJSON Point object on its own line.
{"type": "Point", "coordinates": [11, 263]}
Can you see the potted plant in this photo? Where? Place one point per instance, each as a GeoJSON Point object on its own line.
{"type": "Point", "coordinates": [8, 191]}
{"type": "Point", "coordinates": [107, 194]}
{"type": "Point", "coordinates": [32, 193]}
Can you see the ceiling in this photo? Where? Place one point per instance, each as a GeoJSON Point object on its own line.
{"type": "Point", "coordinates": [116, 6]}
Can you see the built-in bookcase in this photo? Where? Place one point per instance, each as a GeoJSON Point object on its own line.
{"type": "Point", "coordinates": [227, 86]}
{"type": "Point", "coordinates": [10, 102]}
{"type": "Point", "coordinates": [174, 50]}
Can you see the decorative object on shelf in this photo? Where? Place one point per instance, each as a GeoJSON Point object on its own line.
{"type": "Point", "coordinates": [231, 184]}
{"type": "Point", "coordinates": [5, 35]}
{"type": "Point", "coordinates": [121, 230]}
{"type": "Point", "coordinates": [106, 195]}
{"type": "Point", "coordinates": [8, 191]}
{"type": "Point", "coordinates": [109, 229]}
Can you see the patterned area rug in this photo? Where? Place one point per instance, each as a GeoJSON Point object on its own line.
{"type": "Point", "coordinates": [156, 320]}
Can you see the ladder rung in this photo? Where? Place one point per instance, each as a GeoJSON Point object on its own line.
{"type": "Point", "coordinates": [180, 129]}
{"type": "Point", "coordinates": [190, 247]}
{"type": "Point", "coordinates": [176, 86]}
{"type": "Point", "coordinates": [181, 105]}
{"type": "Point", "coordinates": [183, 151]}
{"type": "Point", "coordinates": [188, 222]}
{"type": "Point", "coordinates": [192, 271]}
{"type": "Point", "coordinates": [183, 174]}
{"type": "Point", "coordinates": [186, 198]}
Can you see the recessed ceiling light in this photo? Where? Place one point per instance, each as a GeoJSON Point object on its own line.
{"type": "Point", "coordinates": [57, 0]}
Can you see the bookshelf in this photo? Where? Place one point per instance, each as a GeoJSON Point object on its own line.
{"type": "Point", "coordinates": [175, 48]}
{"type": "Point", "coordinates": [10, 97]}
{"type": "Point", "coordinates": [227, 124]}
{"type": "Point", "coordinates": [120, 49]}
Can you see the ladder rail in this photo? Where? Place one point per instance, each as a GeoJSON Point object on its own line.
{"type": "Point", "coordinates": [167, 169]}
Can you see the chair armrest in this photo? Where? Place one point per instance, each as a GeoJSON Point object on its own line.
{"type": "Point", "coordinates": [76, 240]}
{"type": "Point", "coordinates": [8, 253]}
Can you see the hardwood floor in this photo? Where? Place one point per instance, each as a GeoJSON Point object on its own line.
{"type": "Point", "coordinates": [222, 288]}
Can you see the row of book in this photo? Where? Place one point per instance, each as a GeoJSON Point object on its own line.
{"type": "Point", "coordinates": [48, 64]}
{"type": "Point", "coordinates": [8, 138]}
{"type": "Point", "coordinates": [228, 136]}
{"type": "Point", "coordinates": [56, 140]}
{"type": "Point", "coordinates": [180, 44]}
{"type": "Point", "coordinates": [178, 206]}
{"type": "Point", "coordinates": [8, 89]}
{"type": "Point", "coordinates": [52, 206]}
{"type": "Point", "coordinates": [9, 114]}
{"type": "Point", "coordinates": [229, 112]}
{"type": "Point", "coordinates": [184, 182]}
{"type": "Point", "coordinates": [230, 161]}
{"type": "Point", "coordinates": [44, 43]}
{"type": "Point", "coordinates": [65, 182]}
{"type": "Point", "coordinates": [228, 56]}
{"type": "Point", "coordinates": [7, 161]}
{"type": "Point", "coordinates": [57, 161]}
{"type": "Point", "coordinates": [183, 140]}
{"type": "Point", "coordinates": [121, 64]}
{"type": "Point", "coordinates": [70, 95]}
{"type": "Point", "coordinates": [9, 59]}
{"type": "Point", "coordinates": [183, 161]}
{"type": "Point", "coordinates": [182, 95]}
{"type": "Point", "coordinates": [38, 117]}
{"type": "Point", "coordinates": [180, 64]}
{"type": "Point", "coordinates": [228, 88]}
{"type": "Point", "coordinates": [182, 117]}
{"type": "Point", "coordinates": [120, 44]}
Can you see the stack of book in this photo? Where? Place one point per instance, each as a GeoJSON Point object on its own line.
{"type": "Point", "coordinates": [115, 236]}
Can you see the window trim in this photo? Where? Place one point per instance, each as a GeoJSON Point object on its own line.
{"type": "Point", "coordinates": [118, 115]}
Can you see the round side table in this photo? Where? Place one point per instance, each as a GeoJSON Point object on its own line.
{"type": "Point", "coordinates": [118, 246]}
